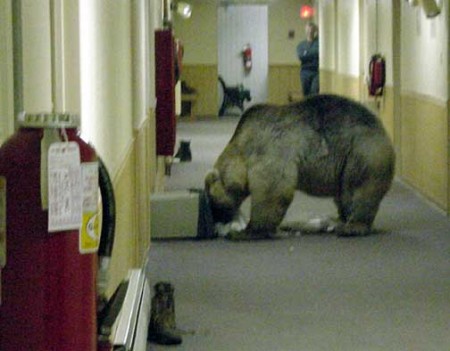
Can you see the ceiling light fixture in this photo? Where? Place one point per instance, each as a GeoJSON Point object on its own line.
{"type": "Point", "coordinates": [182, 8]}
{"type": "Point", "coordinates": [431, 8]}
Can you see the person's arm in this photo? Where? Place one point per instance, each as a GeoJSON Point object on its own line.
{"type": "Point", "coordinates": [309, 56]}
{"type": "Point", "coordinates": [300, 50]}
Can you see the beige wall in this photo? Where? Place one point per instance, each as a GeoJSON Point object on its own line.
{"type": "Point", "coordinates": [118, 109]}
{"type": "Point", "coordinates": [327, 36]}
{"type": "Point", "coordinates": [417, 118]}
{"type": "Point", "coordinates": [132, 185]}
{"type": "Point", "coordinates": [284, 80]}
{"type": "Point", "coordinates": [37, 75]}
{"type": "Point", "coordinates": [424, 137]}
{"type": "Point", "coordinates": [416, 52]}
{"type": "Point", "coordinates": [199, 33]}
{"type": "Point", "coordinates": [106, 77]}
{"type": "Point", "coordinates": [347, 32]}
{"type": "Point", "coordinates": [203, 78]}
{"type": "Point", "coordinates": [284, 17]}
{"type": "Point", "coordinates": [424, 146]}
{"type": "Point", "coordinates": [425, 41]}
{"type": "Point", "coordinates": [386, 111]}
{"type": "Point", "coordinates": [199, 36]}
{"type": "Point", "coordinates": [6, 71]}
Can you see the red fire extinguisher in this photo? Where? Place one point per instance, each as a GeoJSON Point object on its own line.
{"type": "Point", "coordinates": [247, 58]}
{"type": "Point", "coordinates": [377, 75]}
{"type": "Point", "coordinates": [48, 195]}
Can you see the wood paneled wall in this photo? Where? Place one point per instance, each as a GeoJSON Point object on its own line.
{"type": "Point", "coordinates": [283, 80]}
{"type": "Point", "coordinates": [424, 147]}
{"type": "Point", "coordinates": [346, 85]}
{"type": "Point", "coordinates": [386, 110]}
{"type": "Point", "coordinates": [125, 242]}
{"type": "Point", "coordinates": [133, 183]}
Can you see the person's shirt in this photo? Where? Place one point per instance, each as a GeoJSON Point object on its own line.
{"type": "Point", "coordinates": [308, 54]}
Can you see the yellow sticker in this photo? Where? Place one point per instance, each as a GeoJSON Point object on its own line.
{"type": "Point", "coordinates": [89, 233]}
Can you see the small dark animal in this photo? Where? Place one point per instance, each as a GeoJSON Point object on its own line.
{"type": "Point", "coordinates": [233, 96]}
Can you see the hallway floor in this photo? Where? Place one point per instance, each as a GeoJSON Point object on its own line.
{"type": "Point", "coordinates": [389, 291]}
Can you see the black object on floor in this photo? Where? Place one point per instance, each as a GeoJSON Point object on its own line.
{"type": "Point", "coordinates": [184, 152]}
{"type": "Point", "coordinates": [205, 223]}
{"type": "Point", "coordinates": [107, 316]}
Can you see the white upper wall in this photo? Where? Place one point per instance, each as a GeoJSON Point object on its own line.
{"type": "Point", "coordinates": [99, 47]}
{"type": "Point", "coordinates": [353, 30]}
{"type": "Point", "coordinates": [6, 72]}
{"type": "Point", "coordinates": [327, 35]}
{"type": "Point", "coordinates": [339, 28]}
{"type": "Point", "coordinates": [199, 33]}
{"type": "Point", "coordinates": [284, 17]}
{"type": "Point", "coordinates": [384, 36]}
{"type": "Point", "coordinates": [348, 44]}
{"type": "Point", "coordinates": [36, 49]}
{"type": "Point", "coordinates": [425, 52]}
{"type": "Point", "coordinates": [106, 78]}
{"type": "Point", "coordinates": [376, 35]}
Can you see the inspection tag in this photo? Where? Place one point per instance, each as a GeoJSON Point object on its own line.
{"type": "Point", "coordinates": [65, 193]}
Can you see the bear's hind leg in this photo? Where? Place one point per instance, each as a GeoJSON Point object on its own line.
{"type": "Point", "coordinates": [344, 206]}
{"type": "Point", "coordinates": [358, 214]}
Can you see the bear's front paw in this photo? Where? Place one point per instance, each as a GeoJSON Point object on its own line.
{"type": "Point", "coordinates": [235, 235]}
{"type": "Point", "coordinates": [352, 229]}
{"type": "Point", "coordinates": [244, 235]}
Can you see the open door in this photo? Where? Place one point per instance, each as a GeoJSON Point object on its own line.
{"type": "Point", "coordinates": [241, 27]}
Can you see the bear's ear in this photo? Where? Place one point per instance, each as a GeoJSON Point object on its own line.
{"type": "Point", "coordinates": [211, 177]}
{"type": "Point", "coordinates": [219, 196]}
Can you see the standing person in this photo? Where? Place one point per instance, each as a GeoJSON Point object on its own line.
{"type": "Point", "coordinates": [308, 54]}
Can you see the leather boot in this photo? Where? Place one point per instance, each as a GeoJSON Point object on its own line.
{"type": "Point", "coordinates": [162, 328]}
{"type": "Point", "coordinates": [184, 152]}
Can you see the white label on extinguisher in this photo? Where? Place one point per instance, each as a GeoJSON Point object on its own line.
{"type": "Point", "coordinates": [2, 222]}
{"type": "Point", "coordinates": [64, 187]}
{"type": "Point", "coordinates": [89, 231]}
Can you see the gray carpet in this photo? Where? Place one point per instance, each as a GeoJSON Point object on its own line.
{"type": "Point", "coordinates": [388, 291]}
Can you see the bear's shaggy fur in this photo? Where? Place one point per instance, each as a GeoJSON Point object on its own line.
{"type": "Point", "coordinates": [325, 145]}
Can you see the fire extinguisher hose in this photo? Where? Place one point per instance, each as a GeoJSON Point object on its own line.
{"type": "Point", "coordinates": [108, 213]}
{"type": "Point", "coordinates": [107, 233]}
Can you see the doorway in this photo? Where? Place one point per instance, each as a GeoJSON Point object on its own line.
{"type": "Point", "coordinates": [239, 25]}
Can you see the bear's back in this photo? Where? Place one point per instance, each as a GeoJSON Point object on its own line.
{"type": "Point", "coordinates": [319, 111]}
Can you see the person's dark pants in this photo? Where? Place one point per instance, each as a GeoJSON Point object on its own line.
{"type": "Point", "coordinates": [310, 82]}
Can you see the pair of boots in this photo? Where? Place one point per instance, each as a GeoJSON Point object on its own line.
{"type": "Point", "coordinates": [162, 328]}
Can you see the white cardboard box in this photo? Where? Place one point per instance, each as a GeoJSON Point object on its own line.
{"type": "Point", "coordinates": [174, 214]}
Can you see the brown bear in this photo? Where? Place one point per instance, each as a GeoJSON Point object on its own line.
{"type": "Point", "coordinates": [325, 145]}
